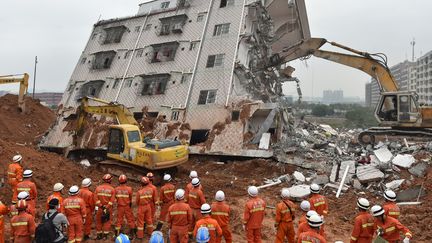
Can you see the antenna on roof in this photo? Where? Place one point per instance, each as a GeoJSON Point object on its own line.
{"type": "Point", "coordinates": [413, 44]}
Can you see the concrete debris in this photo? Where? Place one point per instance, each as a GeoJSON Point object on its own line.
{"type": "Point", "coordinates": [404, 161]}
{"type": "Point", "coordinates": [299, 192]}
{"type": "Point", "coordinates": [321, 179]}
{"type": "Point", "coordinates": [328, 129]}
{"type": "Point", "coordinates": [411, 194]}
{"type": "Point", "coordinates": [264, 141]}
{"type": "Point", "coordinates": [419, 169]}
{"type": "Point", "coordinates": [336, 186]}
{"type": "Point", "coordinates": [357, 185]}
{"type": "Point", "coordinates": [85, 163]}
{"type": "Point", "coordinates": [393, 185]}
{"type": "Point", "coordinates": [342, 181]}
{"type": "Point", "coordinates": [338, 170]}
{"type": "Point", "coordinates": [383, 154]}
{"type": "Point", "coordinates": [369, 173]}
{"type": "Point", "coordinates": [299, 176]}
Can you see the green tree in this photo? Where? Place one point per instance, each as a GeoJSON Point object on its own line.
{"type": "Point", "coordinates": [322, 110]}
{"type": "Point", "coordinates": [362, 117]}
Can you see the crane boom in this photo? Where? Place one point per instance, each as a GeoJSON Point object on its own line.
{"type": "Point", "coordinates": [23, 81]}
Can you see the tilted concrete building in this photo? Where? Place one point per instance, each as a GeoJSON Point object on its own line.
{"type": "Point", "coordinates": [202, 68]}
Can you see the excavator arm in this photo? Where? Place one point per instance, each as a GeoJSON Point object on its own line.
{"type": "Point", "coordinates": [373, 64]}
{"type": "Point", "coordinates": [10, 79]}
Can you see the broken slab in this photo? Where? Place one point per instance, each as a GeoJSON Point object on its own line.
{"type": "Point", "coordinates": [299, 191]}
{"type": "Point", "coordinates": [411, 194]}
{"type": "Point", "coordinates": [404, 160]}
{"type": "Point", "coordinates": [338, 173]}
{"type": "Point", "coordinates": [383, 154]}
{"type": "Point", "coordinates": [368, 173]}
{"type": "Point", "coordinates": [394, 184]}
{"type": "Point", "coordinates": [357, 185]}
{"type": "Point", "coordinates": [335, 186]}
{"type": "Point", "coordinates": [419, 169]}
{"type": "Point", "coordinates": [264, 141]}
{"type": "Point", "coordinates": [328, 129]}
{"type": "Point", "coordinates": [321, 179]}
{"type": "Point", "coordinates": [299, 176]}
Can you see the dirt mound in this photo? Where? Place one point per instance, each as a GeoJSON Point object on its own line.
{"type": "Point", "coordinates": [24, 128]}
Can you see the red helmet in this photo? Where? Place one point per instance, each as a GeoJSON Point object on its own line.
{"type": "Point", "coordinates": [107, 177]}
{"type": "Point", "coordinates": [150, 176]}
{"type": "Point", "coordinates": [145, 180]}
{"type": "Point", "coordinates": [122, 179]}
{"type": "Point", "coordinates": [22, 204]}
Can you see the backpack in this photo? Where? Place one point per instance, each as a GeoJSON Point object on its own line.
{"type": "Point", "coordinates": [46, 231]}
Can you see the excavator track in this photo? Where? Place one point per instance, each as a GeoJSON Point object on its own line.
{"type": "Point", "coordinates": [368, 136]}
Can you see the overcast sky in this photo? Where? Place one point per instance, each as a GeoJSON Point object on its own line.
{"type": "Point", "coordinates": [57, 31]}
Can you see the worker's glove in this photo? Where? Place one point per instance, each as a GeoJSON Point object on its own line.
{"type": "Point", "coordinates": [84, 221]}
{"type": "Point", "coordinates": [380, 232]}
{"type": "Point", "coordinates": [406, 240]}
{"type": "Point", "coordinates": [244, 227]}
{"type": "Point", "coordinates": [96, 208]}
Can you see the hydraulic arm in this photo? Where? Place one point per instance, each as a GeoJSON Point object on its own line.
{"type": "Point", "coordinates": [22, 79]}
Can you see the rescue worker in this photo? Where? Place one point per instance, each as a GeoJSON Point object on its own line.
{"type": "Point", "coordinates": [212, 225]}
{"type": "Point", "coordinates": [29, 186]}
{"type": "Point", "coordinates": [318, 202]}
{"type": "Point", "coordinates": [305, 207]}
{"type": "Point", "coordinates": [89, 200]}
{"type": "Point", "coordinates": [4, 210]}
{"type": "Point", "coordinates": [203, 235]}
{"type": "Point", "coordinates": [105, 196]}
{"type": "Point", "coordinates": [122, 239]}
{"type": "Point", "coordinates": [59, 220]}
{"type": "Point", "coordinates": [57, 193]}
{"type": "Point", "coordinates": [21, 196]}
{"type": "Point", "coordinates": [304, 226]}
{"type": "Point", "coordinates": [22, 225]}
{"type": "Point", "coordinates": [167, 199]}
{"type": "Point", "coordinates": [156, 237]}
{"type": "Point", "coordinates": [193, 174]}
{"type": "Point", "coordinates": [389, 228]}
{"type": "Point", "coordinates": [76, 213]}
{"type": "Point", "coordinates": [143, 200]}
{"type": "Point", "coordinates": [253, 216]}
{"type": "Point", "coordinates": [179, 219]}
{"type": "Point", "coordinates": [15, 175]}
{"type": "Point", "coordinates": [315, 222]}
{"type": "Point", "coordinates": [284, 220]}
{"type": "Point", "coordinates": [154, 188]}
{"type": "Point", "coordinates": [363, 230]}
{"type": "Point", "coordinates": [390, 207]}
{"type": "Point", "coordinates": [123, 194]}
{"type": "Point", "coordinates": [196, 199]}
{"type": "Point", "coordinates": [222, 212]}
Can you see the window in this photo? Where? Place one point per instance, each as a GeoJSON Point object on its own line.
{"type": "Point", "coordinates": [137, 28]}
{"type": "Point", "coordinates": [207, 97]}
{"type": "Point", "coordinates": [200, 17]}
{"type": "Point", "coordinates": [155, 84]}
{"type": "Point", "coordinates": [224, 3]}
{"type": "Point", "coordinates": [148, 27]}
{"type": "Point", "coordinates": [183, 78]}
{"type": "Point", "coordinates": [114, 34]}
{"type": "Point", "coordinates": [129, 82]}
{"type": "Point", "coordinates": [175, 115]}
{"type": "Point", "coordinates": [164, 52]}
{"type": "Point", "coordinates": [192, 46]}
{"type": "Point", "coordinates": [235, 115]}
{"type": "Point", "coordinates": [215, 60]}
{"type": "Point", "coordinates": [83, 60]}
{"type": "Point", "coordinates": [116, 83]}
{"type": "Point", "coordinates": [139, 53]}
{"type": "Point", "coordinates": [103, 59]}
{"type": "Point", "coordinates": [172, 24]}
{"type": "Point", "coordinates": [133, 136]}
{"type": "Point", "coordinates": [94, 36]}
{"type": "Point", "coordinates": [221, 29]}
{"type": "Point", "coordinates": [165, 29]}
{"type": "Point", "coordinates": [165, 4]}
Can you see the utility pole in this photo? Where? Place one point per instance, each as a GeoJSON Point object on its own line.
{"type": "Point", "coordinates": [34, 76]}
{"type": "Point", "coordinates": [413, 44]}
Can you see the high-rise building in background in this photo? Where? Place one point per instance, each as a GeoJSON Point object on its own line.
{"type": "Point", "coordinates": [368, 94]}
{"type": "Point", "coordinates": [424, 79]}
{"type": "Point", "coordinates": [333, 96]}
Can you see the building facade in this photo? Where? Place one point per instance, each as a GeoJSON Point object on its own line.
{"type": "Point", "coordinates": [196, 66]}
{"type": "Point", "coordinates": [424, 79]}
{"type": "Point", "coordinates": [368, 94]}
{"type": "Point", "coordinates": [49, 98]}
{"type": "Point", "coordinates": [333, 96]}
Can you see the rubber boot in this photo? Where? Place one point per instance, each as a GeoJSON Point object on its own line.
{"type": "Point", "coordinates": [159, 226]}
{"type": "Point", "coordinates": [132, 233]}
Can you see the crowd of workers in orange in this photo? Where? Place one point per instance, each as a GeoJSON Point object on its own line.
{"type": "Point", "coordinates": [183, 212]}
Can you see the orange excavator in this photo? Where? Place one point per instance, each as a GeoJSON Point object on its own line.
{"type": "Point", "coordinates": [397, 112]}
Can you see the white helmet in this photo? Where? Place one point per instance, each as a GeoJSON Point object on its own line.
{"type": "Point", "coordinates": [310, 213]}
{"type": "Point", "coordinates": [377, 210]}
{"type": "Point", "coordinates": [305, 205]}
{"type": "Point", "coordinates": [315, 188]}
{"type": "Point", "coordinates": [363, 203]}
{"type": "Point", "coordinates": [167, 177]}
{"type": "Point", "coordinates": [220, 196]}
{"type": "Point", "coordinates": [285, 193]}
{"type": "Point", "coordinates": [390, 195]}
{"type": "Point", "coordinates": [205, 208]}
{"type": "Point", "coordinates": [27, 174]}
{"type": "Point", "coordinates": [58, 187]}
{"type": "Point", "coordinates": [73, 190]}
{"type": "Point", "coordinates": [86, 182]}
{"type": "Point", "coordinates": [253, 191]}
{"type": "Point", "coordinates": [17, 158]}
{"type": "Point", "coordinates": [23, 195]}
{"type": "Point", "coordinates": [315, 221]}
{"type": "Point", "coordinates": [180, 194]}
{"type": "Point", "coordinates": [196, 182]}
{"type": "Point", "coordinates": [193, 174]}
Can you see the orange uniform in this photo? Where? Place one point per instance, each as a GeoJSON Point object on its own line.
{"type": "Point", "coordinates": [311, 236]}
{"type": "Point", "coordinates": [59, 197]}
{"type": "Point", "coordinates": [319, 204]}
{"type": "Point", "coordinates": [189, 188]}
{"type": "Point", "coordinates": [253, 216]}
{"type": "Point", "coordinates": [221, 212]}
{"type": "Point", "coordinates": [75, 211]}
{"type": "Point", "coordinates": [15, 175]}
{"type": "Point", "coordinates": [167, 192]}
{"type": "Point", "coordinates": [3, 211]}
{"type": "Point", "coordinates": [363, 231]}
{"type": "Point", "coordinates": [284, 221]}
{"type": "Point", "coordinates": [304, 226]}
{"type": "Point", "coordinates": [89, 200]}
{"type": "Point", "coordinates": [153, 204]}
{"type": "Point", "coordinates": [302, 219]}
{"type": "Point", "coordinates": [28, 186]}
{"type": "Point", "coordinates": [196, 199]}
{"type": "Point", "coordinates": [144, 198]}
{"type": "Point", "coordinates": [391, 209]}
{"type": "Point", "coordinates": [391, 229]}
{"type": "Point", "coordinates": [123, 194]}
{"type": "Point", "coordinates": [212, 226]}
{"type": "Point", "coordinates": [22, 228]}
{"type": "Point", "coordinates": [180, 221]}
{"type": "Point", "coordinates": [105, 197]}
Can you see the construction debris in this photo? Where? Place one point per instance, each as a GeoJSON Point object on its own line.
{"type": "Point", "coordinates": [404, 161]}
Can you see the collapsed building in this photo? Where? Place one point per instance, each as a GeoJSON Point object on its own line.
{"type": "Point", "coordinates": [199, 71]}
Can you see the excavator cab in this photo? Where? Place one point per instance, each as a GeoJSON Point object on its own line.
{"type": "Point", "coordinates": [397, 108]}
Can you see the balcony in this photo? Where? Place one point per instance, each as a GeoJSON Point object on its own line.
{"type": "Point", "coordinates": [164, 52]}
{"type": "Point", "coordinates": [114, 34]}
{"type": "Point", "coordinates": [173, 24]}
{"type": "Point", "coordinates": [103, 60]}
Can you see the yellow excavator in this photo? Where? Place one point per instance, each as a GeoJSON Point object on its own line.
{"type": "Point", "coordinates": [397, 112]}
{"type": "Point", "coordinates": [22, 79]}
{"type": "Point", "coordinates": [125, 143]}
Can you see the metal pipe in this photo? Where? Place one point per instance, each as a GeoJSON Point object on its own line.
{"type": "Point", "coordinates": [342, 182]}
{"type": "Point", "coordinates": [235, 54]}
{"type": "Point", "coordinates": [197, 60]}
{"type": "Point", "coordinates": [34, 77]}
{"type": "Point", "coordinates": [132, 56]}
